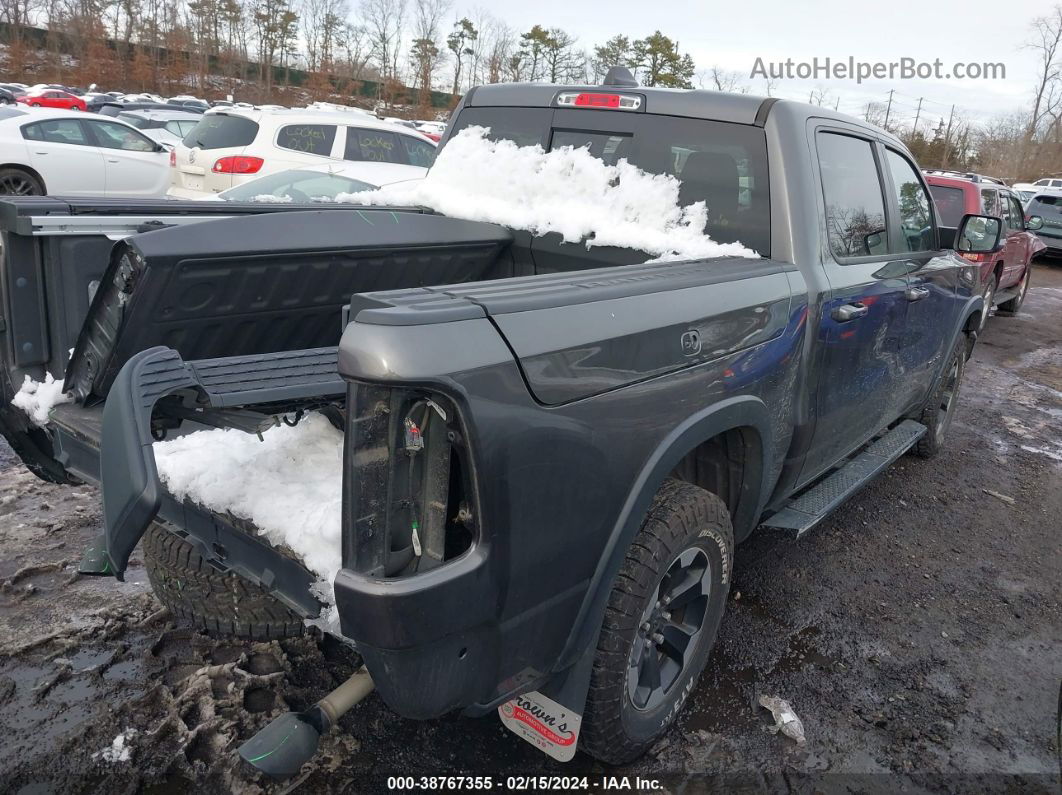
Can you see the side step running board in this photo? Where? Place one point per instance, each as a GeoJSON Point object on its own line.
{"type": "Point", "coordinates": [812, 506]}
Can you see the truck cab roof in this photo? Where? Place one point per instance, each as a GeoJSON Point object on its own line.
{"type": "Point", "coordinates": [688, 103]}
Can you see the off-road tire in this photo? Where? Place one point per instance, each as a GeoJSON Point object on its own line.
{"type": "Point", "coordinates": [223, 605]}
{"type": "Point", "coordinates": [681, 517]}
{"type": "Point", "coordinates": [1013, 306]}
{"type": "Point", "coordinates": [934, 416]}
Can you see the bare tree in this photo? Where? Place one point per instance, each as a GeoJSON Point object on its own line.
{"type": "Point", "coordinates": [1044, 41]}
{"type": "Point", "coordinates": [384, 20]}
{"type": "Point", "coordinates": [719, 79]}
{"type": "Point", "coordinates": [425, 51]}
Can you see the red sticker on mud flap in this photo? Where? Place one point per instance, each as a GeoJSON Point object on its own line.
{"type": "Point", "coordinates": [547, 725]}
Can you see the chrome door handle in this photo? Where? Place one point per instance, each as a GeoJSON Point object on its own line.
{"type": "Point", "coordinates": [111, 160]}
{"type": "Point", "coordinates": [842, 314]}
{"type": "Point", "coordinates": [915, 293]}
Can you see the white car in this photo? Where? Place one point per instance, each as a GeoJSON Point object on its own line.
{"type": "Point", "coordinates": [231, 146]}
{"type": "Point", "coordinates": [321, 183]}
{"type": "Point", "coordinates": [434, 127]}
{"type": "Point", "coordinates": [67, 153]}
{"type": "Point", "coordinates": [164, 126]}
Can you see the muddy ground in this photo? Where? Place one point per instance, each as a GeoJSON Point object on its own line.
{"type": "Point", "coordinates": [917, 634]}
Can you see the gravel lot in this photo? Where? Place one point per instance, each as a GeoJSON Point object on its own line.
{"type": "Point", "coordinates": [917, 634]}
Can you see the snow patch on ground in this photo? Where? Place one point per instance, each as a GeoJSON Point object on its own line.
{"type": "Point", "coordinates": [269, 198]}
{"type": "Point", "coordinates": [119, 750]}
{"type": "Point", "coordinates": [567, 191]}
{"type": "Point", "coordinates": [288, 484]}
{"type": "Point", "coordinates": [37, 399]}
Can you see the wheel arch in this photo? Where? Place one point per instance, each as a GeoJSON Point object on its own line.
{"type": "Point", "coordinates": [29, 170]}
{"type": "Point", "coordinates": [741, 417]}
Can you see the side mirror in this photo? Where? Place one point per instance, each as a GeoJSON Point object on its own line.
{"type": "Point", "coordinates": [1034, 223]}
{"type": "Point", "coordinates": [978, 234]}
{"type": "Point", "coordinates": [873, 241]}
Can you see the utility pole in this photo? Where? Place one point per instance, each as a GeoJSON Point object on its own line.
{"type": "Point", "coordinates": [947, 139]}
{"type": "Point", "coordinates": [918, 113]}
{"type": "Point", "coordinates": [888, 109]}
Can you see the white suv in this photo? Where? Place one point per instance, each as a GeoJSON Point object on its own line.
{"type": "Point", "coordinates": [230, 146]}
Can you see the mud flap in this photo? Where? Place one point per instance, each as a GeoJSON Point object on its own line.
{"type": "Point", "coordinates": [550, 719]}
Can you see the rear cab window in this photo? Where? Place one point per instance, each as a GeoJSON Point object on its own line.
{"type": "Point", "coordinates": [722, 164]}
{"type": "Point", "coordinates": [221, 131]}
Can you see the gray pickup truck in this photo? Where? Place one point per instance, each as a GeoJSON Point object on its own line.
{"type": "Point", "coordinates": [594, 435]}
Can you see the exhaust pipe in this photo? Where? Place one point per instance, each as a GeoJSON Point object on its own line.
{"type": "Point", "coordinates": [288, 742]}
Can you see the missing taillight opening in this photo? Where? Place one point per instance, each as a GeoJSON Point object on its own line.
{"type": "Point", "coordinates": [408, 499]}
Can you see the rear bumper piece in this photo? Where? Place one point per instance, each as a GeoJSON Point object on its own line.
{"type": "Point", "coordinates": [434, 634]}
{"type": "Point", "coordinates": [132, 493]}
{"type": "Point", "coordinates": [185, 193]}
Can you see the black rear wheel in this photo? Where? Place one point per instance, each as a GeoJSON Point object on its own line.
{"type": "Point", "coordinates": [660, 623]}
{"type": "Point", "coordinates": [16, 182]}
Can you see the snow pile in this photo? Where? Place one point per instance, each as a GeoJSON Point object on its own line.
{"type": "Point", "coordinates": [119, 750]}
{"type": "Point", "coordinates": [37, 399]}
{"type": "Point", "coordinates": [269, 198]}
{"type": "Point", "coordinates": [567, 191]}
{"type": "Point", "coordinates": [289, 484]}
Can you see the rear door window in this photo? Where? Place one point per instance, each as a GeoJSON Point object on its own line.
{"type": "Point", "coordinates": [990, 202]}
{"type": "Point", "coordinates": [57, 131]}
{"type": "Point", "coordinates": [311, 139]}
{"type": "Point", "coordinates": [910, 206]}
{"type": "Point", "coordinates": [855, 209]}
{"type": "Point", "coordinates": [373, 146]}
{"type": "Point", "coordinates": [221, 131]}
{"type": "Point", "coordinates": [418, 152]}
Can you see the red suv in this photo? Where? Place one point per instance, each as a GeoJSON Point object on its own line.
{"type": "Point", "coordinates": [1004, 273]}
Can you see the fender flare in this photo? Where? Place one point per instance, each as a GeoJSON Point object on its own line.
{"type": "Point", "coordinates": [974, 304]}
{"type": "Point", "coordinates": [736, 412]}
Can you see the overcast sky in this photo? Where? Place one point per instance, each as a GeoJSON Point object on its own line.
{"type": "Point", "coordinates": [733, 34]}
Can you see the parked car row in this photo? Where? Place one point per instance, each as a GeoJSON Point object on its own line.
{"type": "Point", "coordinates": [151, 152]}
{"type": "Point", "coordinates": [231, 147]}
